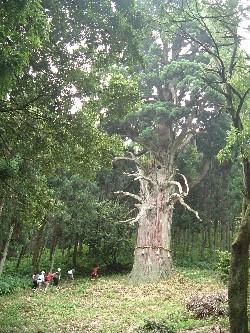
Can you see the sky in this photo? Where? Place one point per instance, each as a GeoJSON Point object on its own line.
{"type": "Point", "coordinates": [243, 30]}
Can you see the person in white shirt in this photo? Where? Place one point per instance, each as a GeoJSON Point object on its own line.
{"type": "Point", "coordinates": [41, 280]}
{"type": "Point", "coordinates": [71, 274]}
{"type": "Point", "coordinates": [59, 273]}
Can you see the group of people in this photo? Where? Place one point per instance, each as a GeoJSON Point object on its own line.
{"type": "Point", "coordinates": [43, 279]}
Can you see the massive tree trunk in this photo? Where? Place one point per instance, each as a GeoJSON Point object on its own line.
{"type": "Point", "coordinates": [158, 194]}
{"type": "Point", "coordinates": [6, 247]}
{"type": "Point", "coordinates": [152, 256]}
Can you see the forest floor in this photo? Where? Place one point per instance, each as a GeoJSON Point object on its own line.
{"type": "Point", "coordinates": [111, 305]}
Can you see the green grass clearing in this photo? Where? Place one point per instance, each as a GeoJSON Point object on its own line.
{"type": "Point", "coordinates": [108, 305]}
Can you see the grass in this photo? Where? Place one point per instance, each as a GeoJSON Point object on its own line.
{"type": "Point", "coordinates": [108, 305]}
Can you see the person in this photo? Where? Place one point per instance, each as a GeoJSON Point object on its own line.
{"type": "Point", "coordinates": [47, 279]}
{"type": "Point", "coordinates": [94, 272]}
{"type": "Point", "coordinates": [59, 272]}
{"type": "Point", "coordinates": [34, 280]}
{"type": "Point", "coordinates": [40, 280]}
{"type": "Point", "coordinates": [56, 277]}
{"type": "Point", "coordinates": [71, 273]}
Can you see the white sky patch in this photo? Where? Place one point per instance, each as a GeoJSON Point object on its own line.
{"type": "Point", "coordinates": [104, 112]}
{"type": "Point", "coordinates": [113, 6]}
{"type": "Point", "coordinates": [245, 34]}
{"type": "Point", "coordinates": [244, 29]}
{"type": "Point", "coordinates": [186, 98]}
{"type": "Point", "coordinates": [154, 91]}
{"type": "Point", "coordinates": [76, 106]}
{"type": "Point", "coordinates": [186, 49]}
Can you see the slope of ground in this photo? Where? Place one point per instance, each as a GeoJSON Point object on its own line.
{"type": "Point", "coordinates": [108, 305]}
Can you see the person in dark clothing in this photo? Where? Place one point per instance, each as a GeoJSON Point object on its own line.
{"type": "Point", "coordinates": [34, 280]}
{"type": "Point", "coordinates": [95, 271]}
{"type": "Point", "coordinates": [56, 278]}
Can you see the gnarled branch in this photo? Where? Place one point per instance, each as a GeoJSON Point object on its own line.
{"type": "Point", "coordinates": [137, 218]}
{"type": "Point", "coordinates": [175, 197]}
{"type": "Point", "coordinates": [186, 184]}
{"type": "Point", "coordinates": [173, 182]}
{"type": "Point", "coordinates": [138, 176]}
{"type": "Point", "coordinates": [128, 194]}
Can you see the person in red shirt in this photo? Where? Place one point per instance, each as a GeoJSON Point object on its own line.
{"type": "Point", "coordinates": [48, 279]}
{"type": "Point", "coordinates": [95, 271]}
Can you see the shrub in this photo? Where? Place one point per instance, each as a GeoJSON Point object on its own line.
{"type": "Point", "coordinates": [223, 264]}
{"type": "Point", "coordinates": [8, 284]}
{"type": "Point", "coordinates": [155, 327]}
{"type": "Point", "coordinates": [208, 305]}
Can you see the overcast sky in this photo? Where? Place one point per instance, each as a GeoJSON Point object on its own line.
{"type": "Point", "coordinates": [243, 32]}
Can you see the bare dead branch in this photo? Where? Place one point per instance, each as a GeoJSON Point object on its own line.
{"type": "Point", "coordinates": [137, 218]}
{"type": "Point", "coordinates": [138, 176]}
{"type": "Point", "coordinates": [176, 197]}
{"type": "Point", "coordinates": [173, 182]}
{"type": "Point", "coordinates": [130, 221]}
{"type": "Point", "coordinates": [186, 184]}
{"type": "Point", "coordinates": [183, 203]}
{"type": "Point", "coordinates": [128, 194]}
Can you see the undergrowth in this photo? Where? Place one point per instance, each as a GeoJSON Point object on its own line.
{"type": "Point", "coordinates": [10, 284]}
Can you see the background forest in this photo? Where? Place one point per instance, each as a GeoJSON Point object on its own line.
{"type": "Point", "coordinates": [125, 142]}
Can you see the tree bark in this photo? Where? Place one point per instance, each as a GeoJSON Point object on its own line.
{"type": "Point", "coordinates": [158, 194]}
{"type": "Point", "coordinates": [238, 278]}
{"type": "Point", "coordinates": [80, 250]}
{"type": "Point", "coordinates": [37, 246]}
{"type": "Point", "coordinates": [21, 254]}
{"type": "Point", "coordinates": [63, 249]}
{"type": "Point", "coordinates": [74, 256]}
{"type": "Point", "coordinates": [1, 207]}
{"type": "Point", "coordinates": [152, 260]}
{"type": "Point", "coordinates": [152, 256]}
{"type": "Point", "coordinates": [6, 247]}
{"type": "Point", "coordinates": [53, 255]}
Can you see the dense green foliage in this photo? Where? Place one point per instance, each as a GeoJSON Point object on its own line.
{"type": "Point", "coordinates": [9, 284]}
